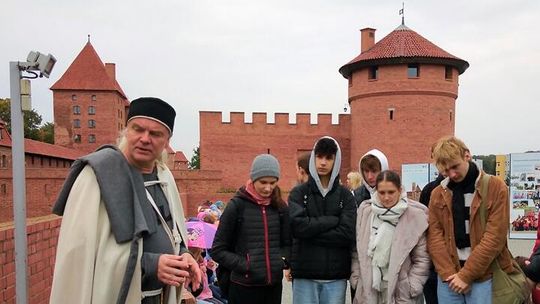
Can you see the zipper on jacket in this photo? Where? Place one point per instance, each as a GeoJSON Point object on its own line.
{"type": "Point", "coordinates": [266, 246]}
{"type": "Point", "coordinates": [248, 262]}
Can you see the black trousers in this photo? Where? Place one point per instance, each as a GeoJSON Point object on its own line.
{"type": "Point", "coordinates": [239, 294]}
{"type": "Point", "coordinates": [430, 288]}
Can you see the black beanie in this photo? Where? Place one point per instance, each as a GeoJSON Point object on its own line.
{"type": "Point", "coordinates": [153, 108]}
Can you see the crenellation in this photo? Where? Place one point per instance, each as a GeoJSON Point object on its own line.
{"type": "Point", "coordinates": [303, 118]}
{"type": "Point", "coordinates": [237, 118]}
{"type": "Point", "coordinates": [211, 119]}
{"type": "Point", "coordinates": [259, 118]}
{"type": "Point", "coordinates": [324, 119]}
{"type": "Point", "coordinates": [281, 119]}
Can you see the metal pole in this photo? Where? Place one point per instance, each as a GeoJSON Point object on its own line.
{"type": "Point", "coordinates": [19, 183]}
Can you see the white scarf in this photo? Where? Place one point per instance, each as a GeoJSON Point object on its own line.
{"type": "Point", "coordinates": [383, 224]}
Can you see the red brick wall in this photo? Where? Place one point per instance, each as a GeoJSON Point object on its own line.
{"type": "Point", "coordinates": [42, 239]}
{"type": "Point", "coordinates": [231, 147]}
{"type": "Point", "coordinates": [44, 180]}
{"type": "Point", "coordinates": [422, 108]}
{"type": "Point", "coordinates": [197, 186]}
{"type": "Point", "coordinates": [110, 117]}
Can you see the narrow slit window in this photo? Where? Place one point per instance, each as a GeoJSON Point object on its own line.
{"type": "Point", "coordinates": [451, 115]}
{"type": "Point", "coordinates": [391, 114]}
{"type": "Point", "coordinates": [448, 73]}
{"type": "Point", "coordinates": [373, 73]}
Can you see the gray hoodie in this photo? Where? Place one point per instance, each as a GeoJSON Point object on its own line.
{"type": "Point", "coordinates": [335, 169]}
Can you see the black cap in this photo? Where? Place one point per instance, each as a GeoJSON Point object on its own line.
{"type": "Point", "coordinates": [153, 108]}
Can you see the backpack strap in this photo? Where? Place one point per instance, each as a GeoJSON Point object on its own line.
{"type": "Point", "coordinates": [483, 219]}
{"type": "Point", "coordinates": [484, 183]}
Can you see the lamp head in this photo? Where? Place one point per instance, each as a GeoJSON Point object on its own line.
{"type": "Point", "coordinates": [40, 62]}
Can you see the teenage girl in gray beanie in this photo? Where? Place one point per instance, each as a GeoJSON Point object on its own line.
{"type": "Point", "coordinates": [253, 239]}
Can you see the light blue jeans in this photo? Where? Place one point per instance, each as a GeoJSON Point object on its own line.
{"type": "Point", "coordinates": [315, 291]}
{"type": "Point", "coordinates": [480, 293]}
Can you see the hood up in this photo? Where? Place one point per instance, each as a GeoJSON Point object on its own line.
{"type": "Point", "coordinates": [335, 169]}
{"type": "Point", "coordinates": [384, 166]}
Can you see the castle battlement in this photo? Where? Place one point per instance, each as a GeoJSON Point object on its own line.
{"type": "Point", "coordinates": [214, 118]}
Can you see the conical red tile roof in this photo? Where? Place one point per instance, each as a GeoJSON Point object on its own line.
{"type": "Point", "coordinates": [87, 72]}
{"type": "Point", "coordinates": [403, 45]}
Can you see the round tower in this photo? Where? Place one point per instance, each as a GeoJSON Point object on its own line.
{"type": "Point", "coordinates": [402, 94]}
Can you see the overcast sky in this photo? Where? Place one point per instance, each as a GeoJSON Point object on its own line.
{"type": "Point", "coordinates": [284, 55]}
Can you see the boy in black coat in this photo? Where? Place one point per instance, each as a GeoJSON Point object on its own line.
{"type": "Point", "coordinates": [323, 214]}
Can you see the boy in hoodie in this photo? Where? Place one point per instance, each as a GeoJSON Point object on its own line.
{"type": "Point", "coordinates": [371, 164]}
{"type": "Point", "coordinates": [323, 225]}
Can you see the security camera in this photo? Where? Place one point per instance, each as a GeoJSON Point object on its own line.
{"type": "Point", "coordinates": [40, 62]}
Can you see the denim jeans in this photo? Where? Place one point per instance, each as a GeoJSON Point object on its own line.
{"type": "Point", "coordinates": [314, 292]}
{"type": "Point", "coordinates": [480, 293]}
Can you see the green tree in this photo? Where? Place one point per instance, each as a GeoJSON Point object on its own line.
{"type": "Point", "coordinates": [46, 133]}
{"type": "Point", "coordinates": [32, 120]}
{"type": "Point", "coordinates": [195, 162]}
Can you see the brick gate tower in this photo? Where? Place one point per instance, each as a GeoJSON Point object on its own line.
{"type": "Point", "coordinates": [89, 105]}
{"type": "Point", "coordinates": [402, 94]}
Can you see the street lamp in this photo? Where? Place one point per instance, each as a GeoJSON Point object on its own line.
{"type": "Point", "coordinates": [35, 63]}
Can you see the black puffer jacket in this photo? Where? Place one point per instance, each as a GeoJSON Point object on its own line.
{"type": "Point", "coordinates": [260, 243]}
{"type": "Point", "coordinates": [323, 231]}
{"type": "Point", "coordinates": [361, 194]}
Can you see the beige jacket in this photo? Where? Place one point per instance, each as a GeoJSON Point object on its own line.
{"type": "Point", "coordinates": [90, 265]}
{"type": "Point", "coordinates": [409, 264]}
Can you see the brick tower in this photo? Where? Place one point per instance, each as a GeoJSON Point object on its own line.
{"type": "Point", "coordinates": [402, 94]}
{"type": "Point", "coordinates": [89, 105]}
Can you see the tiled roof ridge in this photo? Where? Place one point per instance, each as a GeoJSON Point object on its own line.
{"type": "Point", "coordinates": [42, 148]}
{"type": "Point", "coordinates": [403, 43]}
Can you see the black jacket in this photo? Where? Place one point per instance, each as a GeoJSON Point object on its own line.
{"type": "Point", "coordinates": [425, 195]}
{"type": "Point", "coordinates": [361, 194]}
{"type": "Point", "coordinates": [323, 231]}
{"type": "Point", "coordinates": [260, 242]}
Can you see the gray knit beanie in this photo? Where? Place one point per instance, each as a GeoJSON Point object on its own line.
{"type": "Point", "coordinates": [264, 165]}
